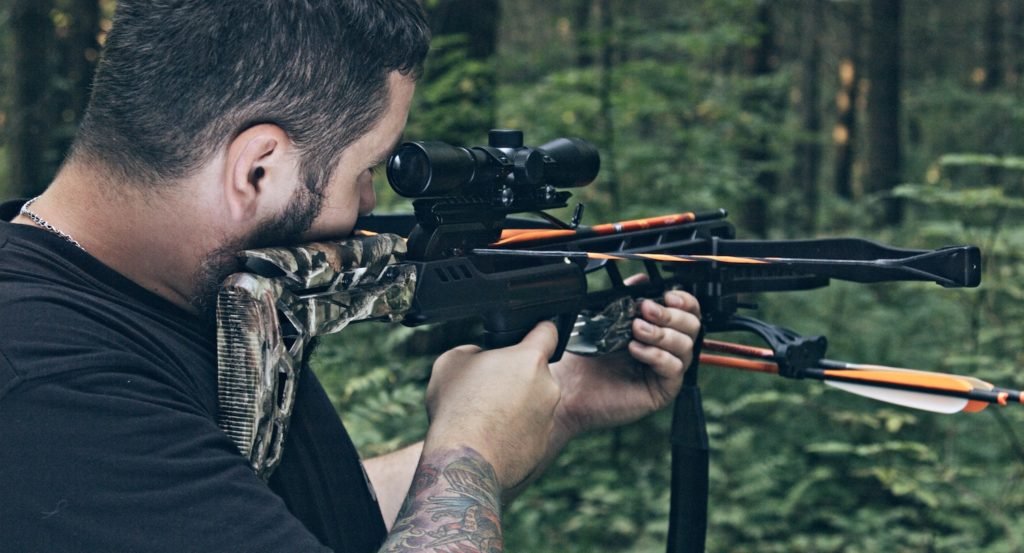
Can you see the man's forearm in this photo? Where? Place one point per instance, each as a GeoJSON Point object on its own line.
{"type": "Point", "coordinates": [454, 503]}
{"type": "Point", "coordinates": [391, 476]}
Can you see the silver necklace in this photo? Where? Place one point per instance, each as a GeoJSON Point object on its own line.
{"type": "Point", "coordinates": [42, 222]}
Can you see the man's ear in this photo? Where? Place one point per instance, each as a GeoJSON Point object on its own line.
{"type": "Point", "coordinates": [260, 172]}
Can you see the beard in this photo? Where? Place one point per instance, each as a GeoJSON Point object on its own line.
{"type": "Point", "coordinates": [286, 229]}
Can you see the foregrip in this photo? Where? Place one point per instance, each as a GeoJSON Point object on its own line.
{"type": "Point", "coordinates": [509, 300]}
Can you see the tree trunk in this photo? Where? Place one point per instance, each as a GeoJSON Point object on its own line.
{"type": "Point", "coordinates": [808, 148]}
{"type": "Point", "coordinates": [78, 51]}
{"type": "Point", "coordinates": [1016, 46]}
{"type": "Point", "coordinates": [996, 13]}
{"type": "Point", "coordinates": [610, 177]}
{"type": "Point", "coordinates": [759, 63]}
{"type": "Point", "coordinates": [477, 20]}
{"type": "Point", "coordinates": [473, 24]}
{"type": "Point", "coordinates": [584, 35]}
{"type": "Point", "coordinates": [883, 107]}
{"type": "Point", "coordinates": [30, 165]}
{"type": "Point", "coordinates": [82, 51]}
{"type": "Point", "coordinates": [844, 134]}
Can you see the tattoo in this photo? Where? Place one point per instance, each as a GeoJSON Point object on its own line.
{"type": "Point", "coordinates": [452, 507]}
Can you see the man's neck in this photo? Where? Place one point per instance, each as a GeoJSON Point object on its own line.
{"type": "Point", "coordinates": [156, 240]}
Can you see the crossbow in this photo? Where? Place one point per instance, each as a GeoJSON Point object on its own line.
{"type": "Point", "coordinates": [467, 253]}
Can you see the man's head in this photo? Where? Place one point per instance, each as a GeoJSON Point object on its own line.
{"type": "Point", "coordinates": [266, 114]}
{"type": "Point", "coordinates": [179, 79]}
{"type": "Point", "coordinates": [330, 211]}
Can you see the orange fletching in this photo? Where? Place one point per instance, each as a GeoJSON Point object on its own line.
{"type": "Point", "coordinates": [917, 380]}
{"type": "Point", "coordinates": [975, 406]}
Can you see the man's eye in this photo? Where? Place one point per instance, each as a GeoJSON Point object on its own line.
{"type": "Point", "coordinates": [376, 169]}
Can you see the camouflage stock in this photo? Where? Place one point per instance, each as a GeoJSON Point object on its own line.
{"type": "Point", "coordinates": [606, 331]}
{"type": "Point", "coordinates": [267, 316]}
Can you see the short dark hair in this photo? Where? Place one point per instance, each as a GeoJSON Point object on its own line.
{"type": "Point", "coordinates": [179, 78]}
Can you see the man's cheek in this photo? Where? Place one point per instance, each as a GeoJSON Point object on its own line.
{"type": "Point", "coordinates": [367, 199]}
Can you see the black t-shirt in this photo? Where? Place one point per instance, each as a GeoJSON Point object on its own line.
{"type": "Point", "coordinates": [108, 434]}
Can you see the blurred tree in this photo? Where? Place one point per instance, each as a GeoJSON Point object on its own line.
{"type": "Point", "coordinates": [844, 134]}
{"type": "Point", "coordinates": [605, 91]}
{"type": "Point", "coordinates": [884, 68]}
{"type": "Point", "coordinates": [77, 28]}
{"type": "Point", "coordinates": [31, 118]}
{"type": "Point", "coordinates": [54, 52]}
{"type": "Point", "coordinates": [1015, 45]}
{"type": "Point", "coordinates": [456, 97]}
{"type": "Point", "coordinates": [996, 14]}
{"type": "Point", "coordinates": [808, 147]}
{"type": "Point", "coordinates": [583, 13]}
{"type": "Point", "coordinates": [761, 61]}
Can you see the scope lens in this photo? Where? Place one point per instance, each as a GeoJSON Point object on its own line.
{"type": "Point", "coordinates": [577, 162]}
{"type": "Point", "coordinates": [430, 169]}
{"type": "Point", "coordinates": [409, 170]}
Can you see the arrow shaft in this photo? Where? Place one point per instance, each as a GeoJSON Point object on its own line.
{"type": "Point", "coordinates": [534, 236]}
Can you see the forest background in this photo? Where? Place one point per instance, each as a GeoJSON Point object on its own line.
{"type": "Point", "coordinates": [896, 120]}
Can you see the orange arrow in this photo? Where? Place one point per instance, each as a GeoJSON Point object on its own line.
{"type": "Point", "coordinates": [937, 392]}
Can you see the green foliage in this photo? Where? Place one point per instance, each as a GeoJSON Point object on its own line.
{"type": "Point", "coordinates": [887, 479]}
{"type": "Point", "coordinates": [454, 101]}
{"type": "Point", "coordinates": [796, 466]}
{"type": "Point", "coordinates": [379, 394]}
{"type": "Point", "coordinates": [678, 125]}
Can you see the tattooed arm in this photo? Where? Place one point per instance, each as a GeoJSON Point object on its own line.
{"type": "Point", "coordinates": [453, 505]}
{"type": "Point", "coordinates": [492, 416]}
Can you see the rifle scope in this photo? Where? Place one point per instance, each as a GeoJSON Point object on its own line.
{"type": "Point", "coordinates": [504, 167]}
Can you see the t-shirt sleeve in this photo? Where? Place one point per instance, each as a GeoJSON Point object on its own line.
{"type": "Point", "coordinates": [121, 461]}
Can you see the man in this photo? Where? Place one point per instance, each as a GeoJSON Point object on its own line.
{"type": "Point", "coordinates": [219, 126]}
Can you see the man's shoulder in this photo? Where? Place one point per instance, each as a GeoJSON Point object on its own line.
{"type": "Point", "coordinates": [58, 318]}
{"type": "Point", "coordinates": [36, 319]}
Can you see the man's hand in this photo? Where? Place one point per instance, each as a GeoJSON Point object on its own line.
{"type": "Point", "coordinates": [623, 387]}
{"type": "Point", "coordinates": [491, 420]}
{"type": "Point", "coordinates": [500, 403]}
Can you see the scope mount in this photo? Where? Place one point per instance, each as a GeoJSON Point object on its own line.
{"type": "Point", "coordinates": [447, 226]}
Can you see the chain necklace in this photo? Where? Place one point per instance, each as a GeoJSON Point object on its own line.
{"type": "Point", "coordinates": [42, 222]}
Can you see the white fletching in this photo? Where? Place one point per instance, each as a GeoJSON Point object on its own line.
{"type": "Point", "coordinates": [915, 400]}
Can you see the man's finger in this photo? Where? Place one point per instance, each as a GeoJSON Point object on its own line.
{"type": "Point", "coordinates": [543, 338]}
{"type": "Point", "coordinates": [658, 360]}
{"type": "Point", "coordinates": [682, 300]}
{"type": "Point", "coordinates": [638, 278]}
{"type": "Point", "coordinates": [467, 348]}
{"type": "Point", "coordinates": [670, 317]}
{"type": "Point", "coordinates": [673, 341]}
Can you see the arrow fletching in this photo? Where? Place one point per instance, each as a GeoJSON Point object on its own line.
{"type": "Point", "coordinates": [913, 388]}
{"type": "Point", "coordinates": [914, 400]}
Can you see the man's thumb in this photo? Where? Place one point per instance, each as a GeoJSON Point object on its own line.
{"type": "Point", "coordinates": [543, 338]}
